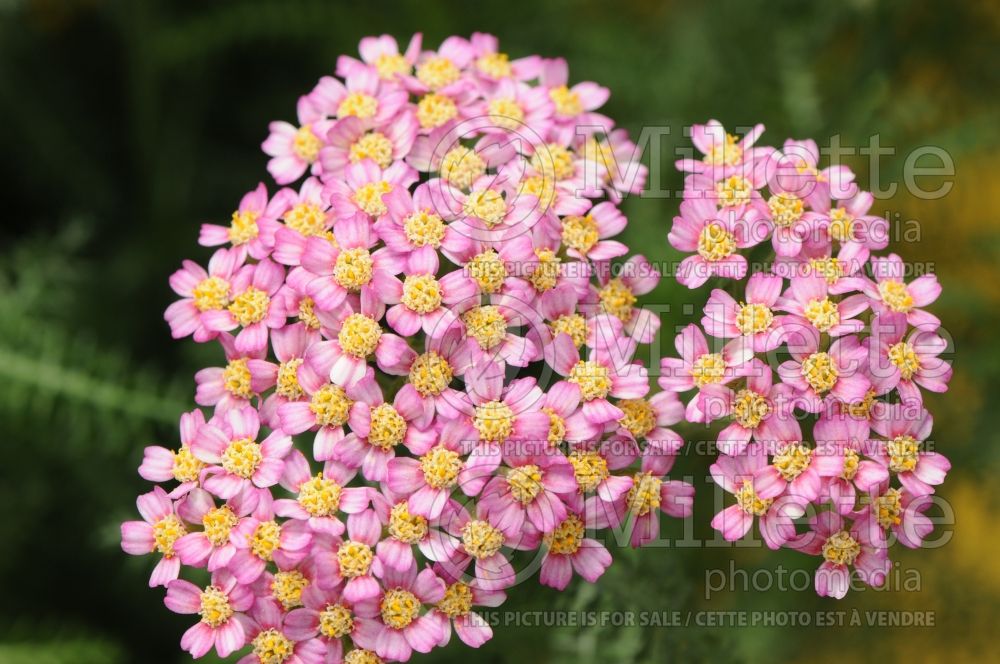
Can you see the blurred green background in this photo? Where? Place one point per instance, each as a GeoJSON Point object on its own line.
{"type": "Point", "coordinates": [124, 125]}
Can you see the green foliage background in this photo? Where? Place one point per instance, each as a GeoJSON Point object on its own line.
{"type": "Point", "coordinates": [125, 124]}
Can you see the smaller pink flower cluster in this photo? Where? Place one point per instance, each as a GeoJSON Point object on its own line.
{"type": "Point", "coordinates": [860, 350]}
{"type": "Point", "coordinates": [371, 467]}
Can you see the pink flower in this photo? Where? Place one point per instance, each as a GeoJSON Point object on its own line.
{"type": "Point", "coordinates": [426, 302]}
{"type": "Point", "coordinates": [796, 168]}
{"type": "Point", "coordinates": [244, 378]}
{"type": "Point", "coordinates": [441, 71]}
{"type": "Point", "coordinates": [392, 626]}
{"type": "Point", "coordinates": [290, 344]}
{"type": "Point", "coordinates": [586, 236]}
{"type": "Point", "coordinates": [358, 337]}
{"type": "Point", "coordinates": [607, 372]}
{"type": "Point", "coordinates": [252, 228]}
{"type": "Point", "coordinates": [229, 442]}
{"type": "Point", "coordinates": [752, 318]}
{"type": "Point", "coordinates": [259, 539]}
{"type": "Point", "coordinates": [891, 293]}
{"type": "Point", "coordinates": [212, 546]}
{"type": "Point", "coordinates": [823, 376]}
{"type": "Point", "coordinates": [904, 429]}
{"type": "Point", "coordinates": [841, 547]}
{"type": "Point", "coordinates": [850, 224]}
{"type": "Point", "coordinates": [756, 497]}
{"type": "Point", "coordinates": [896, 511]}
{"type": "Point", "coordinates": [268, 635]}
{"type": "Point", "coordinates": [353, 560]}
{"type": "Point", "coordinates": [326, 411]}
{"type": "Point", "coordinates": [814, 312]}
{"type": "Point", "coordinates": [487, 329]}
{"type": "Point", "coordinates": [569, 550]}
{"type": "Point", "coordinates": [724, 154]}
{"type": "Point", "coordinates": [406, 529]}
{"type": "Point", "coordinates": [202, 292]}
{"type": "Point", "coordinates": [574, 106]}
{"type": "Point", "coordinates": [482, 541]}
{"type": "Point", "coordinates": [295, 149]}
{"type": "Point", "coordinates": [223, 624]}
{"type": "Point", "coordinates": [491, 65]}
{"type": "Point", "coordinates": [251, 308]}
{"type": "Point", "coordinates": [352, 139]}
{"type": "Point", "coordinates": [715, 235]}
{"type": "Point", "coordinates": [160, 464]}
{"type": "Point", "coordinates": [415, 227]}
{"type": "Point", "coordinates": [381, 54]}
{"type": "Point", "coordinates": [362, 186]}
{"type": "Point", "coordinates": [614, 161]}
{"type": "Point", "coordinates": [305, 215]}
{"type": "Point", "coordinates": [906, 364]}
{"type": "Point", "coordinates": [159, 529]}
{"type": "Point", "coordinates": [321, 496]}
{"type": "Point", "coordinates": [698, 367]}
{"type": "Point", "coordinates": [456, 608]}
{"type": "Point", "coordinates": [509, 107]}
{"type": "Point", "coordinates": [325, 617]}
{"type": "Point", "coordinates": [361, 96]}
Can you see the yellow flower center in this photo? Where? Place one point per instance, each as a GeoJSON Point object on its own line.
{"type": "Point", "coordinates": [307, 313]}
{"type": "Point", "coordinates": [505, 113]}
{"type": "Point", "coordinates": [841, 225]}
{"type": "Point", "coordinates": [319, 496]}
{"type": "Point", "coordinates": [888, 507]}
{"type": "Point", "coordinates": [399, 608]}
{"type": "Point", "coordinates": [457, 600]}
{"type": "Point", "coordinates": [640, 418]}
{"type": "Point", "coordinates": [336, 621]}
{"type": "Point", "coordinates": [360, 656]}
{"type": "Point", "coordinates": [496, 65]}
{"type": "Point", "coordinates": [272, 647]}
{"type": "Point", "coordinates": [461, 166]}
{"type": "Point", "coordinates": [288, 379]}
{"type": "Point", "coordinates": [166, 531]}
{"type": "Point", "coordinates": [480, 539]}
{"type": "Point", "coordinates": [388, 428]}
{"type": "Point", "coordinates": [359, 335]}
{"type": "Point", "coordinates": [389, 65]}
{"type": "Point", "coordinates": [242, 457]}
{"type": "Point", "coordinates": [566, 101]}
{"type": "Point", "coordinates": [617, 299]}
{"type": "Point", "coordinates": [358, 104]}
{"type": "Point", "coordinates": [354, 558]}
{"type": "Point", "coordinates": [430, 374]}
{"type": "Point", "coordinates": [541, 187]}
{"type": "Point", "coordinates": [250, 306]}
{"type": "Point", "coordinates": [905, 358]}
{"type": "Point", "coordinates": [236, 378]}
{"type": "Point", "coordinates": [424, 228]}
{"type": "Point", "coordinates": [441, 467]}
{"type": "Point", "coordinates": [545, 274]}
{"type": "Point", "coordinates": [644, 496]}
{"type": "Point", "coordinates": [557, 426]}
{"type": "Point", "coordinates": [353, 268]}
{"type": "Point", "coordinates": [828, 267]}
{"type": "Point", "coordinates": [373, 145]}
{"type": "Point", "coordinates": [525, 483]}
{"type": "Point", "coordinates": [421, 293]}
{"type": "Point", "coordinates": [754, 318]}
{"type": "Point", "coordinates": [287, 587]}
{"type": "Point", "coordinates": [580, 233]}
{"type": "Point", "coordinates": [215, 609]}
{"type": "Point", "coordinates": [590, 469]}
{"type": "Point", "coordinates": [368, 197]}
{"type": "Point", "coordinates": [265, 540]}
{"type": "Point", "coordinates": [187, 466]}
{"type": "Point", "coordinates": [708, 369]}
{"type": "Point", "coordinates": [749, 408]}
{"type": "Point", "coordinates": [895, 296]}
{"type": "Point", "coordinates": [494, 421]}
{"type": "Point", "coordinates": [306, 144]}
{"type": "Point", "coordinates": [575, 325]}
{"type": "Point", "coordinates": [904, 452]}
{"type": "Point", "coordinates": [486, 325]}
{"type": "Point", "coordinates": [406, 527]}
{"type": "Point", "coordinates": [211, 294]}
{"type": "Point", "coordinates": [566, 538]}
{"type": "Point", "coordinates": [862, 409]}
{"type": "Point", "coordinates": [487, 205]}
{"type": "Point", "coordinates": [487, 270]}
{"type": "Point", "coordinates": [554, 160]}
{"type": "Point", "coordinates": [749, 502]}
{"type": "Point", "coordinates": [218, 522]}
{"type": "Point", "coordinates": [437, 72]}
{"type": "Point", "coordinates": [433, 110]}
{"type": "Point", "coordinates": [841, 548]}
{"type": "Point", "coordinates": [823, 314]}
{"type": "Point", "coordinates": [330, 405]}
{"type": "Point", "coordinates": [785, 209]}
{"type": "Point", "coordinates": [307, 219]}
{"type": "Point", "coordinates": [243, 227]}
{"type": "Point", "coordinates": [851, 463]}
{"type": "Point", "coordinates": [791, 460]}
{"type": "Point", "coordinates": [728, 153]}
{"type": "Point", "coordinates": [715, 243]}
{"type": "Point", "coordinates": [593, 379]}
{"type": "Point", "coordinates": [819, 371]}
{"type": "Point", "coordinates": [734, 190]}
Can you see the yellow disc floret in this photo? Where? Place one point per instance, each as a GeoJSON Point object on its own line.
{"type": "Point", "coordinates": [437, 72]}
{"type": "Point", "coordinates": [791, 460]}
{"type": "Point", "coordinates": [750, 408]}
{"type": "Point", "coordinates": [265, 540]}
{"type": "Point", "coordinates": [287, 587]}
{"type": "Point", "coordinates": [166, 531]}
{"type": "Point", "coordinates": [754, 318]}
{"type": "Point", "coordinates": [430, 374]}
{"type": "Point", "coordinates": [187, 467]}
{"type": "Point", "coordinates": [218, 523]}
{"type": "Point", "coordinates": [644, 496]}
{"type": "Point", "coordinates": [494, 420]}
{"type": "Point", "coordinates": [457, 600]}
{"type": "Point", "coordinates": [368, 197]}
{"type": "Point", "coordinates": [359, 335]}
{"type": "Point", "coordinates": [580, 233]}
{"type": "Point", "coordinates": [785, 209]}
{"type": "Point", "coordinates": [488, 270]}
{"type": "Point", "coordinates": [904, 453]}
{"type": "Point", "coordinates": [388, 428]}
{"type": "Point", "coordinates": [905, 358]}
{"type": "Point", "coordinates": [288, 380]}
{"type": "Point", "coordinates": [215, 608]}
{"type": "Point", "coordinates": [896, 296]}
{"type": "Point", "coordinates": [820, 372]}
{"type": "Point", "coordinates": [441, 467]}
{"type": "Point", "coordinates": [708, 369]}
{"type": "Point", "coordinates": [306, 218]}
{"type": "Point", "coordinates": [566, 101]}
{"type": "Point", "coordinates": [590, 469]}
{"type": "Point", "coordinates": [488, 205]}
{"type": "Point", "coordinates": [715, 243]}
{"type": "Point", "coordinates": [480, 539]}
{"type": "Point", "coordinates": [617, 299]}
{"type": "Point", "coordinates": [421, 293]}
{"type": "Point", "coordinates": [461, 166]}
{"type": "Point", "coordinates": [841, 548]}
{"type": "Point", "coordinates": [359, 105]}
{"type": "Point", "coordinates": [331, 406]}
{"type": "Point", "coordinates": [354, 559]}
{"type": "Point", "coordinates": [306, 144]}
{"type": "Point", "coordinates": [406, 527]}
{"type": "Point", "coordinates": [250, 306]}
{"type": "Point", "coordinates": [434, 110]}
{"type": "Point", "coordinates": [823, 314]}
{"type": "Point", "coordinates": [424, 229]}
{"type": "Point", "coordinates": [242, 457]}
{"type": "Point", "coordinates": [211, 294]}
{"type": "Point", "coordinates": [750, 502]}
{"type": "Point", "coordinates": [272, 647]}
{"type": "Point", "coordinates": [320, 496]}
{"type": "Point", "coordinates": [336, 621]}
{"type": "Point", "coordinates": [640, 418]}
{"type": "Point", "coordinates": [593, 378]}
{"type": "Point", "coordinates": [486, 325]}
{"type": "Point", "coordinates": [565, 540]}
{"type": "Point", "coordinates": [399, 608]}
{"type": "Point", "coordinates": [525, 483]}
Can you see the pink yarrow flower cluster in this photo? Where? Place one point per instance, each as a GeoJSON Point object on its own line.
{"type": "Point", "coordinates": [829, 451]}
{"type": "Point", "coordinates": [363, 472]}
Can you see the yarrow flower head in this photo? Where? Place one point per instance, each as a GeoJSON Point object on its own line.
{"type": "Point", "coordinates": [381, 445]}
